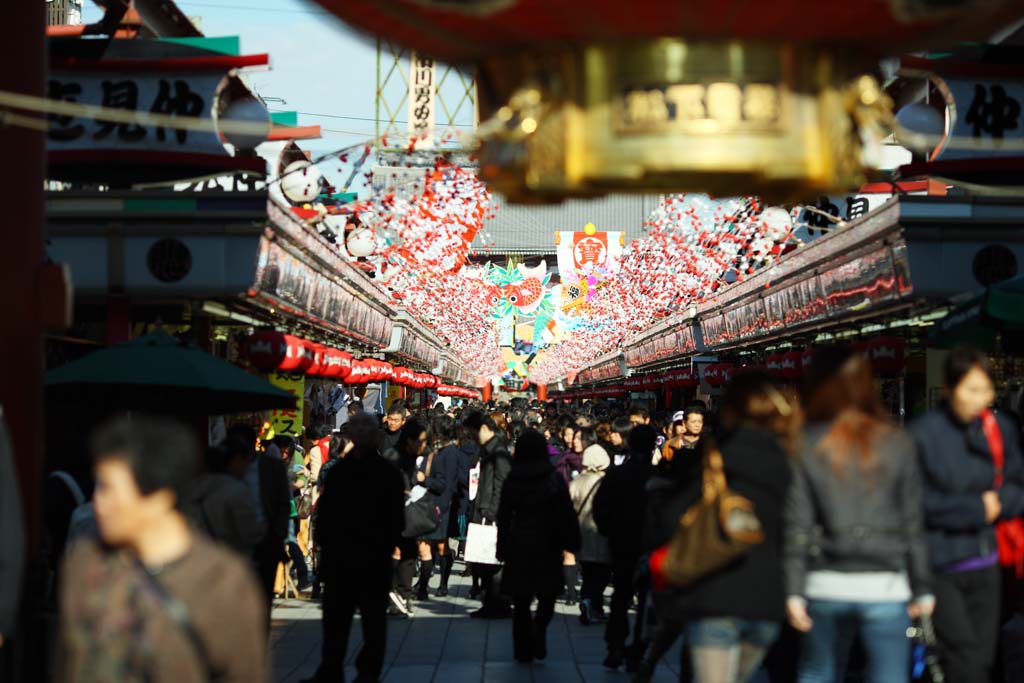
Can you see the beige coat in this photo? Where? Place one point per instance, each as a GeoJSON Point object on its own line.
{"type": "Point", "coordinates": [582, 490]}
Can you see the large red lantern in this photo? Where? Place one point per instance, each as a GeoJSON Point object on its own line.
{"type": "Point", "coordinates": [887, 355]}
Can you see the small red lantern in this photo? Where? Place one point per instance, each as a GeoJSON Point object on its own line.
{"type": "Point", "coordinates": [791, 365]}
{"type": "Point", "coordinates": [268, 350]}
{"type": "Point", "coordinates": [887, 355]}
{"type": "Point", "coordinates": [318, 366]}
{"type": "Point", "coordinates": [806, 358]}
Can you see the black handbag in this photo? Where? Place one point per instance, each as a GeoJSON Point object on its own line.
{"type": "Point", "coordinates": [422, 515]}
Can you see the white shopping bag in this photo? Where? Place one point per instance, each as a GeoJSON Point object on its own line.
{"type": "Point", "coordinates": [482, 544]}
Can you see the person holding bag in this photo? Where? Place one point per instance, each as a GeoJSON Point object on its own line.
{"type": "Point", "coordinates": [974, 497]}
{"type": "Point", "coordinates": [856, 562]}
{"type": "Point", "coordinates": [717, 529]}
{"type": "Point", "coordinates": [595, 556]}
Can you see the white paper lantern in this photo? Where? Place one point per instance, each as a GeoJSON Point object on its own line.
{"type": "Point", "coordinates": [777, 223]}
{"type": "Point", "coordinates": [248, 110]}
{"type": "Point", "coordinates": [300, 182]}
{"type": "Point", "coordinates": [361, 242]}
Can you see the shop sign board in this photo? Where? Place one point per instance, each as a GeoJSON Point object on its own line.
{"type": "Point", "coordinates": [168, 93]}
{"type": "Point", "coordinates": [288, 420]}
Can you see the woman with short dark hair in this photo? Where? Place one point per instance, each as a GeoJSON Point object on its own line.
{"type": "Point", "coordinates": [973, 484]}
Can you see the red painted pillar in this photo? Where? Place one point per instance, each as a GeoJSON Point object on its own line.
{"type": "Point", "coordinates": [487, 392]}
{"type": "Point", "coordinates": [542, 392]}
{"type": "Point", "coordinates": [21, 335]}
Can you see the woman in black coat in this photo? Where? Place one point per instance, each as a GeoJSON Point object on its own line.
{"type": "Point", "coordinates": [536, 524]}
{"type": "Point", "coordinates": [441, 477]}
{"type": "Point", "coordinates": [730, 616]}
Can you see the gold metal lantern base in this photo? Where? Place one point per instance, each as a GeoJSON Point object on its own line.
{"type": "Point", "coordinates": [781, 121]}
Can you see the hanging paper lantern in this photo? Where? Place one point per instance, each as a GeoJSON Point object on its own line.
{"type": "Point", "coordinates": [267, 349]}
{"type": "Point", "coordinates": [360, 373]}
{"type": "Point", "coordinates": [300, 182]}
{"type": "Point", "coordinates": [887, 355]}
{"type": "Point", "coordinates": [791, 366]}
{"type": "Point", "coordinates": [806, 358]}
{"type": "Point", "coordinates": [318, 366]}
{"type": "Point", "coordinates": [718, 374]}
{"type": "Point", "coordinates": [332, 363]}
{"type": "Point", "coordinates": [361, 242]}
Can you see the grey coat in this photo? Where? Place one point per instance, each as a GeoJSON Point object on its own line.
{"type": "Point", "coordinates": [859, 520]}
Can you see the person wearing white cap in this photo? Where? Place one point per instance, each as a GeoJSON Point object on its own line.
{"type": "Point", "coordinates": [687, 427]}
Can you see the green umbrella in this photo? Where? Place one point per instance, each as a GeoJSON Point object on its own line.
{"type": "Point", "coordinates": [158, 373]}
{"type": "Point", "coordinates": [996, 312]}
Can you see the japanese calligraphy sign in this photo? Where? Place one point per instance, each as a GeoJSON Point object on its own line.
{"type": "Point", "coordinates": [988, 111]}
{"type": "Point", "coordinates": [168, 93]}
{"type": "Point", "coordinates": [422, 96]}
{"type": "Point", "coordinates": [579, 252]}
{"type": "Point", "coordinates": [288, 421]}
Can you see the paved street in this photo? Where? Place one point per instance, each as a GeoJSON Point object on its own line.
{"type": "Point", "coordinates": [441, 643]}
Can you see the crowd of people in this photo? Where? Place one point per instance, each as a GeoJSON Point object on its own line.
{"type": "Point", "coordinates": [863, 528]}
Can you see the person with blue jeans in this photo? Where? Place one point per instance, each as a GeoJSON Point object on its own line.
{"type": "Point", "coordinates": [730, 617]}
{"type": "Point", "coordinates": [856, 561]}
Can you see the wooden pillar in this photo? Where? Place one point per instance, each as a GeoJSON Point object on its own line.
{"type": "Point", "coordinates": [542, 392]}
{"type": "Point", "coordinates": [21, 335]}
{"type": "Point", "coordinates": [486, 392]}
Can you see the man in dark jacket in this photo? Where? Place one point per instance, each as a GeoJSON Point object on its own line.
{"type": "Point", "coordinates": [267, 479]}
{"type": "Point", "coordinates": [619, 512]}
{"type": "Point", "coordinates": [495, 466]}
{"type": "Point", "coordinates": [393, 423]}
{"type": "Point", "coordinates": [361, 516]}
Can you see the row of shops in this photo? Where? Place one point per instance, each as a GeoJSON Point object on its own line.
{"type": "Point", "coordinates": [884, 282]}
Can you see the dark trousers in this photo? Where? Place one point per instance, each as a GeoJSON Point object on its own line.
{"type": "Point", "coordinates": [527, 629]}
{"type": "Point", "coordinates": [967, 606]}
{"type": "Point", "coordinates": [405, 569]}
{"type": "Point", "coordinates": [266, 558]}
{"type": "Point", "coordinates": [342, 596]}
{"type": "Point", "coordinates": [490, 583]}
{"type": "Point", "coordinates": [623, 569]}
{"type": "Point", "coordinates": [596, 576]}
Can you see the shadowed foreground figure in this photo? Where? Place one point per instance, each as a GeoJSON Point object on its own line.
{"type": "Point", "coordinates": [536, 524]}
{"type": "Point", "coordinates": [360, 518]}
{"type": "Point", "coordinates": [155, 601]}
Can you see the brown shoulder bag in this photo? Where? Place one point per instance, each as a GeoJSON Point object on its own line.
{"type": "Point", "coordinates": [715, 531]}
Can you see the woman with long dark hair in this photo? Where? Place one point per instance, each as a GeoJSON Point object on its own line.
{"type": "Point", "coordinates": [973, 500]}
{"type": "Point", "coordinates": [411, 445]}
{"type": "Point", "coordinates": [856, 562]}
{"type": "Point", "coordinates": [536, 524]}
{"type": "Point", "coordinates": [440, 470]}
